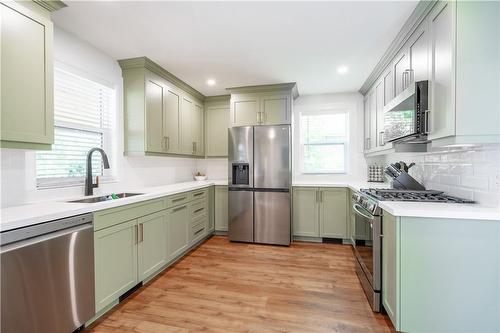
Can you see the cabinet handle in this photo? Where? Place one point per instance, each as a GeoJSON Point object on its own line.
{"type": "Point", "coordinates": [381, 139]}
{"type": "Point", "coordinates": [427, 120]}
{"type": "Point", "coordinates": [141, 232]}
{"type": "Point", "coordinates": [167, 143]}
{"type": "Point", "coordinates": [136, 234]}
{"type": "Point", "coordinates": [320, 196]}
{"type": "Point", "coordinates": [179, 208]}
{"type": "Point", "coordinates": [317, 196]}
{"type": "Point", "coordinates": [199, 210]}
{"type": "Point", "coordinates": [197, 194]}
{"type": "Point", "coordinates": [194, 147]}
{"type": "Point", "coordinates": [197, 232]}
{"type": "Point", "coordinates": [178, 199]}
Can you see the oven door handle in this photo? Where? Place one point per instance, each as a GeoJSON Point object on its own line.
{"type": "Point", "coordinates": [358, 209]}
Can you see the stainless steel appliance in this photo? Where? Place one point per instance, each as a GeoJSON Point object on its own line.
{"type": "Point", "coordinates": [412, 195]}
{"type": "Point", "coordinates": [259, 184]}
{"type": "Point", "coordinates": [368, 247]}
{"type": "Point", "coordinates": [47, 273]}
{"type": "Point", "coordinates": [406, 117]}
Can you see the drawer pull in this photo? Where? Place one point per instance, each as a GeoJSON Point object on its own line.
{"type": "Point", "coordinates": [197, 194]}
{"type": "Point", "coordinates": [197, 232]}
{"type": "Point", "coordinates": [179, 199]}
{"type": "Point", "coordinates": [179, 208]}
{"type": "Point", "coordinates": [199, 209]}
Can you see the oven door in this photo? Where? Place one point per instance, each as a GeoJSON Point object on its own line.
{"type": "Point", "coordinates": [367, 246]}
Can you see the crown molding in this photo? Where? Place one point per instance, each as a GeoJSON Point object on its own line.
{"type": "Point", "coordinates": [145, 62]}
{"type": "Point", "coordinates": [51, 5]}
{"type": "Point", "coordinates": [417, 16]}
{"type": "Point", "coordinates": [218, 98]}
{"type": "Point", "coordinates": [290, 86]}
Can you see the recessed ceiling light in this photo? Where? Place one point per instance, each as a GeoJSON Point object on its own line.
{"type": "Point", "coordinates": [211, 82]}
{"type": "Point", "coordinates": [342, 69]}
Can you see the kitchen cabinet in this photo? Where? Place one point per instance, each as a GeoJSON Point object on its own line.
{"type": "Point", "coordinates": [366, 124]}
{"type": "Point", "coordinates": [418, 50]}
{"type": "Point", "coordinates": [163, 115]}
{"type": "Point", "coordinates": [262, 105]}
{"type": "Point", "coordinates": [115, 262]}
{"type": "Point", "coordinates": [333, 220]}
{"type": "Point", "coordinates": [320, 212]}
{"type": "Point", "coordinates": [390, 262]}
{"type": "Point", "coordinates": [211, 210]}
{"type": "Point", "coordinates": [401, 71]}
{"type": "Point", "coordinates": [352, 218]}
{"type": "Point", "coordinates": [388, 77]}
{"type": "Point", "coordinates": [216, 126]}
{"type": "Point", "coordinates": [27, 71]}
{"type": "Point", "coordinates": [177, 230]}
{"type": "Point", "coordinates": [221, 208]}
{"type": "Point", "coordinates": [379, 112]}
{"type": "Point", "coordinates": [442, 93]}
{"type": "Point", "coordinates": [152, 243]}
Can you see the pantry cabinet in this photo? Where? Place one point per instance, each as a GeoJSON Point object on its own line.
{"type": "Point", "coordinates": [216, 126]}
{"type": "Point", "coordinates": [26, 107]}
{"type": "Point", "coordinates": [163, 115]}
{"type": "Point", "coordinates": [320, 212]}
{"type": "Point", "coordinates": [262, 105]}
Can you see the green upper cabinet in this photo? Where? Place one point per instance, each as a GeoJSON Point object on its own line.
{"type": "Point", "coordinates": [262, 105]}
{"type": "Point", "coordinates": [152, 244]}
{"type": "Point", "coordinates": [163, 115]}
{"type": "Point", "coordinates": [216, 126]}
{"type": "Point", "coordinates": [26, 107]}
{"type": "Point", "coordinates": [333, 220]}
{"type": "Point", "coordinates": [305, 211]}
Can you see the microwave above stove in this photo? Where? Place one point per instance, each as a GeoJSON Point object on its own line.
{"type": "Point", "coordinates": [406, 116]}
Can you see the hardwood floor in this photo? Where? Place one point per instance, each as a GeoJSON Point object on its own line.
{"type": "Point", "coordinates": [235, 287]}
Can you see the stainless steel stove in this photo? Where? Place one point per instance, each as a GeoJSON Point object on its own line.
{"type": "Point", "coordinates": [411, 195]}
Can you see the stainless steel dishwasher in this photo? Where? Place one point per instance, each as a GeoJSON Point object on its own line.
{"type": "Point", "coordinates": [47, 276]}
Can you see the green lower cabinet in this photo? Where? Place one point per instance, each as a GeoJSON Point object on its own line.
{"type": "Point", "coordinates": [305, 211]}
{"type": "Point", "coordinates": [115, 262]}
{"type": "Point", "coordinates": [177, 230]}
{"type": "Point", "coordinates": [152, 243]}
{"type": "Point", "coordinates": [211, 210]}
{"type": "Point", "coordinates": [333, 219]}
{"type": "Point", "coordinates": [221, 208]}
{"type": "Point", "coordinates": [352, 218]}
{"type": "Point", "coordinates": [390, 266]}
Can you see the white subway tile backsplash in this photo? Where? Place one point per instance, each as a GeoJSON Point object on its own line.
{"type": "Point", "coordinates": [469, 173]}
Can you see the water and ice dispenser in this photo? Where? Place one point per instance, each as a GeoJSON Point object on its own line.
{"type": "Point", "coordinates": [241, 173]}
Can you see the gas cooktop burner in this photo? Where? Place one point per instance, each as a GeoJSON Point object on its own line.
{"type": "Point", "coordinates": [409, 195]}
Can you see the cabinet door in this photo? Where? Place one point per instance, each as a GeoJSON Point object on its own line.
{"type": "Point", "coordinates": [216, 131]}
{"type": "Point", "coordinates": [401, 66]}
{"type": "Point", "coordinates": [352, 218]}
{"type": "Point", "coordinates": [367, 114]}
{"type": "Point", "coordinates": [442, 94]}
{"type": "Point", "coordinates": [115, 262]}
{"type": "Point", "coordinates": [221, 208]}
{"type": "Point", "coordinates": [152, 243]}
{"type": "Point", "coordinates": [197, 129]}
{"type": "Point", "coordinates": [26, 103]}
{"type": "Point", "coordinates": [419, 54]}
{"type": "Point", "coordinates": [154, 116]}
{"type": "Point", "coordinates": [245, 110]}
{"type": "Point", "coordinates": [178, 230]}
{"type": "Point", "coordinates": [171, 123]}
{"type": "Point", "coordinates": [373, 119]}
{"type": "Point", "coordinates": [275, 109]}
{"type": "Point", "coordinates": [388, 86]}
{"type": "Point", "coordinates": [390, 282]}
{"type": "Point", "coordinates": [305, 211]}
{"type": "Point", "coordinates": [211, 209]}
{"type": "Point", "coordinates": [333, 212]}
{"type": "Point", "coordinates": [379, 106]}
{"type": "Point", "coordinates": [187, 144]}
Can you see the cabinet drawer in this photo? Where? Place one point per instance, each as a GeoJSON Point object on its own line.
{"type": "Point", "coordinates": [199, 194]}
{"type": "Point", "coordinates": [198, 230]}
{"type": "Point", "coordinates": [109, 217]}
{"type": "Point", "coordinates": [198, 209]}
{"type": "Point", "coordinates": [178, 199]}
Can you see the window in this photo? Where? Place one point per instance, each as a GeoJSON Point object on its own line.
{"type": "Point", "coordinates": [83, 114]}
{"type": "Point", "coordinates": [323, 141]}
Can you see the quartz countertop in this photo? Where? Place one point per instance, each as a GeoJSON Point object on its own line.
{"type": "Point", "coordinates": [39, 212]}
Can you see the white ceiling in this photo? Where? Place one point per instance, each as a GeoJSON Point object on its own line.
{"type": "Point", "coordinates": [245, 43]}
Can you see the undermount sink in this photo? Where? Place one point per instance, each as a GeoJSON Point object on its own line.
{"type": "Point", "coordinates": [105, 198]}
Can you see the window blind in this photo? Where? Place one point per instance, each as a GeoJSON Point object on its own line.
{"type": "Point", "coordinates": [83, 118]}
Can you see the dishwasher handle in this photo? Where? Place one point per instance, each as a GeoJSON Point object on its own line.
{"type": "Point", "coordinates": [42, 238]}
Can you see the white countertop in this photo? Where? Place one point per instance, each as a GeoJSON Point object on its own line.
{"type": "Point", "coordinates": [34, 213]}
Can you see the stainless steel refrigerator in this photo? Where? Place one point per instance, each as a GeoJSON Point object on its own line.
{"type": "Point", "coordinates": [259, 184]}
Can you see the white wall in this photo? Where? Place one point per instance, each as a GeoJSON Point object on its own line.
{"type": "Point", "coordinates": [356, 165]}
{"type": "Point", "coordinates": [18, 183]}
{"type": "Point", "coordinates": [468, 172]}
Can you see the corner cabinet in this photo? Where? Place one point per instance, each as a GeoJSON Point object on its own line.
{"type": "Point", "coordinates": [320, 212]}
{"type": "Point", "coordinates": [262, 105]}
{"type": "Point", "coordinates": [163, 115]}
{"type": "Point", "coordinates": [26, 107]}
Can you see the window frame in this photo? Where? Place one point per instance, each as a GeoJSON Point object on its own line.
{"type": "Point", "coordinates": [107, 136]}
{"type": "Point", "coordinates": [345, 142]}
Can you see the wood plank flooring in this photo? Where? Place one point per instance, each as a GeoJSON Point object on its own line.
{"type": "Point", "coordinates": [235, 287]}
